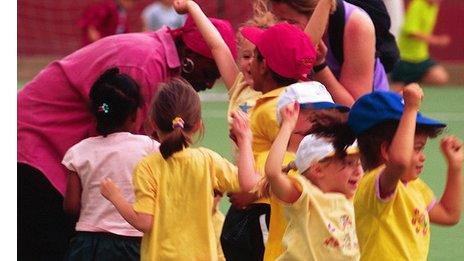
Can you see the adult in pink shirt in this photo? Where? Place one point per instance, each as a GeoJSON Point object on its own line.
{"type": "Point", "coordinates": [53, 116]}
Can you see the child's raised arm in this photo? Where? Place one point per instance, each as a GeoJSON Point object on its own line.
{"type": "Point", "coordinates": [142, 222]}
{"type": "Point", "coordinates": [398, 154]}
{"type": "Point", "coordinates": [281, 185]}
{"type": "Point", "coordinates": [221, 52]}
{"type": "Point", "coordinates": [448, 210]}
{"type": "Point", "coordinates": [241, 134]}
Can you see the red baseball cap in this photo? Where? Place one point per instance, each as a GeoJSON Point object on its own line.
{"type": "Point", "coordinates": [288, 51]}
{"type": "Point", "coordinates": [195, 42]}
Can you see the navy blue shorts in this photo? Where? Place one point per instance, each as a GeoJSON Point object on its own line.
{"type": "Point", "coordinates": [103, 246]}
{"type": "Point", "coordinates": [408, 72]}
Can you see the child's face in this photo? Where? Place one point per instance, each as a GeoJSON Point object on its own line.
{"type": "Point", "coordinates": [418, 158]}
{"type": "Point", "coordinates": [343, 175]}
{"type": "Point", "coordinates": [245, 60]}
{"type": "Point", "coordinates": [256, 71]}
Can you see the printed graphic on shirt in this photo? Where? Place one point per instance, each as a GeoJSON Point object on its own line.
{"type": "Point", "coordinates": [346, 234]}
{"type": "Point", "coordinates": [244, 107]}
{"type": "Point", "coordinates": [420, 222]}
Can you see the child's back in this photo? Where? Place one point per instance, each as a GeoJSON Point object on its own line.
{"type": "Point", "coordinates": [114, 101]}
{"type": "Point", "coordinates": [114, 156]}
{"type": "Point", "coordinates": [181, 206]}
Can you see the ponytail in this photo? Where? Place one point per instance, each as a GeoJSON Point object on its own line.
{"type": "Point", "coordinates": [176, 112]}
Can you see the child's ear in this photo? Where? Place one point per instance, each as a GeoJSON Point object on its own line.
{"type": "Point", "coordinates": [384, 147]}
{"type": "Point", "coordinates": [316, 171]}
{"type": "Point", "coordinates": [198, 126]}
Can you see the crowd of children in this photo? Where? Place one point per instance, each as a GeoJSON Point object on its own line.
{"type": "Point", "coordinates": [325, 170]}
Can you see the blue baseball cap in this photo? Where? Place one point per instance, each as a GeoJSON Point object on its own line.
{"type": "Point", "coordinates": [377, 107]}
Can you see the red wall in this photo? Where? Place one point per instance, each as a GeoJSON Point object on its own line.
{"type": "Point", "coordinates": [49, 26]}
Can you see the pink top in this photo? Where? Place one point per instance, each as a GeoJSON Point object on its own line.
{"type": "Point", "coordinates": [52, 108]}
{"type": "Point", "coordinates": [115, 157]}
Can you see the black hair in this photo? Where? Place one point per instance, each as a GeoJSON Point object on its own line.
{"type": "Point", "coordinates": [114, 97]}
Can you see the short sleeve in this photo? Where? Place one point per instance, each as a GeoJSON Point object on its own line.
{"type": "Point", "coordinates": [427, 194]}
{"type": "Point", "coordinates": [225, 174]}
{"type": "Point", "coordinates": [367, 198]}
{"type": "Point", "coordinates": [302, 201]}
{"type": "Point", "coordinates": [146, 188]}
{"type": "Point", "coordinates": [69, 160]}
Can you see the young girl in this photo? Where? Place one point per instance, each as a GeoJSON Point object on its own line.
{"type": "Point", "coordinates": [318, 207]}
{"type": "Point", "coordinates": [101, 232]}
{"type": "Point", "coordinates": [394, 207]}
{"type": "Point", "coordinates": [174, 188]}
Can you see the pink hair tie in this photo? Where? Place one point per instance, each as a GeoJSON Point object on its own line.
{"type": "Point", "coordinates": [177, 122]}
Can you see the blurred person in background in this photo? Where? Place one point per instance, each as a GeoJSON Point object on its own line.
{"type": "Point", "coordinates": [104, 18]}
{"type": "Point", "coordinates": [53, 115]}
{"type": "Point", "coordinates": [416, 36]}
{"type": "Point", "coordinates": [160, 13]}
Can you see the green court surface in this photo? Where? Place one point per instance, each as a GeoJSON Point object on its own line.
{"type": "Point", "coordinates": [446, 104]}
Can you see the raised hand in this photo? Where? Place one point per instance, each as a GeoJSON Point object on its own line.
{"type": "Point", "coordinates": [181, 6]}
{"type": "Point", "coordinates": [451, 148]}
{"type": "Point", "coordinates": [413, 95]}
{"type": "Point", "coordinates": [240, 127]}
{"type": "Point", "coordinates": [289, 114]}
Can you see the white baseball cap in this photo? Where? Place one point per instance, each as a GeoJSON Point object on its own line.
{"type": "Point", "coordinates": [310, 94]}
{"type": "Point", "coordinates": [313, 148]}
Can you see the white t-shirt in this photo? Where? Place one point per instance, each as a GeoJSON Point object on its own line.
{"type": "Point", "coordinates": [114, 156]}
{"type": "Point", "coordinates": [156, 15]}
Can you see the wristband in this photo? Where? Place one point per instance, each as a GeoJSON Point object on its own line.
{"type": "Point", "coordinates": [319, 67]}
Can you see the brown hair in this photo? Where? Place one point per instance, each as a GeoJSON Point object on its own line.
{"type": "Point", "coordinates": [176, 98]}
{"type": "Point", "coordinates": [370, 141]}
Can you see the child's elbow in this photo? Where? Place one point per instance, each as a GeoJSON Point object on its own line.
{"type": "Point", "coordinates": [454, 220]}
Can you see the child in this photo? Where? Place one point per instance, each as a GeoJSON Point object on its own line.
{"type": "Point", "coordinates": [174, 188]}
{"type": "Point", "coordinates": [114, 101]}
{"type": "Point", "coordinates": [318, 207]}
{"type": "Point", "coordinates": [104, 18]}
{"type": "Point", "coordinates": [393, 206]}
{"type": "Point", "coordinates": [415, 38]}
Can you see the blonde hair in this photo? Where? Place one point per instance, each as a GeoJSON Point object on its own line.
{"type": "Point", "coordinates": [261, 18]}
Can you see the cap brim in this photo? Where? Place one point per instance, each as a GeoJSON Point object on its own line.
{"type": "Point", "coordinates": [251, 33]}
{"type": "Point", "coordinates": [422, 120]}
{"type": "Point", "coordinates": [324, 105]}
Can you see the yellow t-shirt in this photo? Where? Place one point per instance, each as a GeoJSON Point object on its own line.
{"type": "Point", "coordinates": [242, 95]}
{"type": "Point", "coordinates": [263, 121]}
{"type": "Point", "coordinates": [421, 16]}
{"type": "Point", "coordinates": [395, 228]}
{"type": "Point", "coordinates": [178, 192]}
{"type": "Point", "coordinates": [277, 222]}
{"type": "Point", "coordinates": [321, 226]}
{"type": "Point", "coordinates": [218, 221]}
